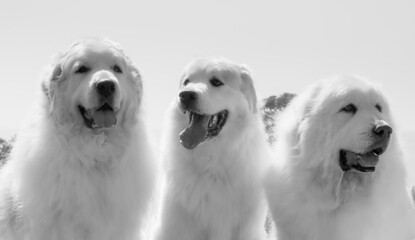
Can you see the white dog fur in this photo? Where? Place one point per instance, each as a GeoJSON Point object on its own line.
{"type": "Point", "coordinates": [66, 181]}
{"type": "Point", "coordinates": [310, 197]}
{"type": "Point", "coordinates": [214, 190]}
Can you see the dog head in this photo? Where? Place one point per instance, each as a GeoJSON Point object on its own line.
{"type": "Point", "coordinates": [338, 134]}
{"type": "Point", "coordinates": [341, 123]}
{"type": "Point", "coordinates": [217, 95]}
{"type": "Point", "coordinates": [93, 85]}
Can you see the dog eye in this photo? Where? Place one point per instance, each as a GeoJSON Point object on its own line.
{"type": "Point", "coordinates": [351, 108]}
{"type": "Point", "coordinates": [82, 69]}
{"type": "Point", "coordinates": [186, 82]}
{"type": "Point", "coordinates": [378, 107]}
{"type": "Point", "coordinates": [117, 69]}
{"type": "Point", "coordinates": [216, 82]}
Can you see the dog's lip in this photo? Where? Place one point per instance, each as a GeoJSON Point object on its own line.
{"type": "Point", "coordinates": [362, 162]}
{"type": "Point", "coordinates": [87, 114]}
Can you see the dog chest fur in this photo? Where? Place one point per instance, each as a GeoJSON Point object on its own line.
{"type": "Point", "coordinates": [216, 189]}
{"type": "Point", "coordinates": [87, 189]}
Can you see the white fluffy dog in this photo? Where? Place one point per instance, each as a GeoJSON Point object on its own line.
{"type": "Point", "coordinates": [215, 151]}
{"type": "Point", "coordinates": [339, 172]}
{"type": "Point", "coordinates": [82, 168]}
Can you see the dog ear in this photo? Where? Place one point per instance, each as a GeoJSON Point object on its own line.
{"type": "Point", "coordinates": [310, 129]}
{"type": "Point", "coordinates": [53, 74]}
{"type": "Point", "coordinates": [136, 76]}
{"type": "Point", "coordinates": [293, 120]}
{"type": "Point", "coordinates": [248, 89]}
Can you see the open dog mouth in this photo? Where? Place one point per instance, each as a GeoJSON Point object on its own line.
{"type": "Point", "coordinates": [104, 116]}
{"type": "Point", "coordinates": [202, 127]}
{"type": "Point", "coordinates": [362, 162]}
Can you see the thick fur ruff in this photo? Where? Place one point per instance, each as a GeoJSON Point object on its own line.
{"type": "Point", "coordinates": [310, 196]}
{"type": "Point", "coordinates": [214, 191]}
{"type": "Point", "coordinates": [65, 181]}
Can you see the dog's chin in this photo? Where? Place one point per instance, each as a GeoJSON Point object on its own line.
{"type": "Point", "coordinates": [361, 162]}
{"type": "Point", "coordinates": [202, 127]}
{"type": "Point", "coordinates": [102, 117]}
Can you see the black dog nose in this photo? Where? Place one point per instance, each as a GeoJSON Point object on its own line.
{"type": "Point", "coordinates": [106, 88]}
{"type": "Point", "coordinates": [187, 98]}
{"type": "Point", "coordinates": [382, 130]}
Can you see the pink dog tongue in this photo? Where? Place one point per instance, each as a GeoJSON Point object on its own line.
{"type": "Point", "coordinates": [104, 119]}
{"type": "Point", "coordinates": [195, 133]}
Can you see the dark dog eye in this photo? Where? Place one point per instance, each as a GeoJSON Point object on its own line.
{"type": "Point", "coordinates": [378, 107]}
{"type": "Point", "coordinates": [117, 69]}
{"type": "Point", "coordinates": [82, 69]}
{"type": "Point", "coordinates": [351, 108]}
{"type": "Point", "coordinates": [186, 82]}
{"type": "Point", "coordinates": [216, 82]}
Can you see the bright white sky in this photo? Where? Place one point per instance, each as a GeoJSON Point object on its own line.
{"type": "Point", "coordinates": [288, 44]}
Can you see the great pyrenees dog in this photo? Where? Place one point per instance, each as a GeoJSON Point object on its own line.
{"type": "Point", "coordinates": [83, 167]}
{"type": "Point", "coordinates": [339, 172]}
{"type": "Point", "coordinates": [215, 152]}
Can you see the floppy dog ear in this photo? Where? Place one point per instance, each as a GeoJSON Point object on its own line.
{"type": "Point", "coordinates": [305, 108]}
{"type": "Point", "coordinates": [248, 89]}
{"type": "Point", "coordinates": [135, 74]}
{"type": "Point", "coordinates": [293, 120]}
{"type": "Point", "coordinates": [53, 74]}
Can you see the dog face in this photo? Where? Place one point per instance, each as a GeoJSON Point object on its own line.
{"type": "Point", "coordinates": [216, 94]}
{"type": "Point", "coordinates": [347, 120]}
{"type": "Point", "coordinates": [93, 85]}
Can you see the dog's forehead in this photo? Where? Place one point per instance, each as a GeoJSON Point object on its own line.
{"type": "Point", "coordinates": [351, 90]}
{"type": "Point", "coordinates": [98, 50]}
{"type": "Point", "coordinates": [361, 99]}
{"type": "Point", "coordinates": [363, 96]}
{"type": "Point", "coordinates": [203, 71]}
